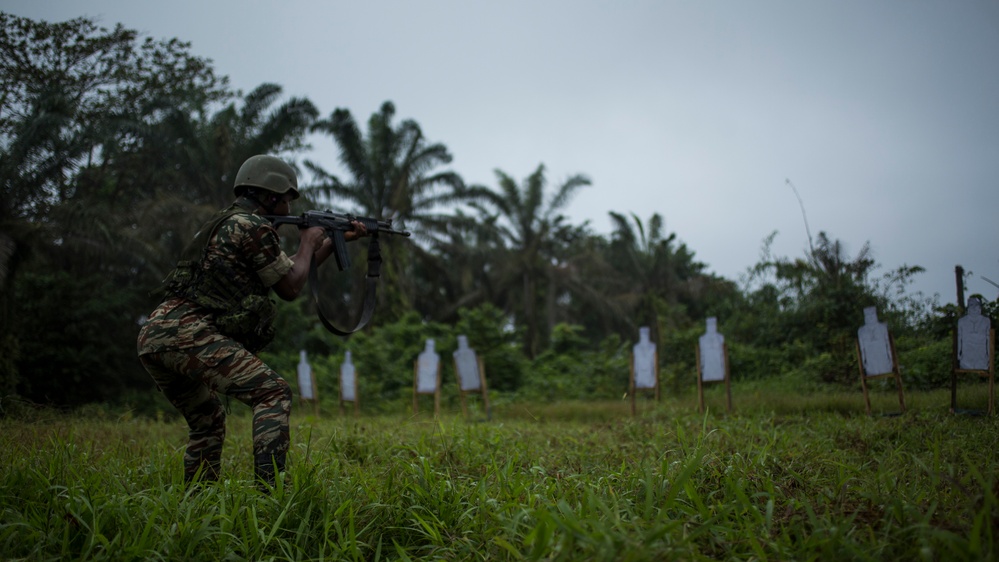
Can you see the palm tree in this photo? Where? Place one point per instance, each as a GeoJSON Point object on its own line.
{"type": "Point", "coordinates": [193, 162]}
{"type": "Point", "coordinates": [642, 253]}
{"type": "Point", "coordinates": [454, 271]}
{"type": "Point", "coordinates": [663, 284]}
{"type": "Point", "coordinates": [392, 170]}
{"type": "Point", "coordinates": [531, 230]}
{"type": "Point", "coordinates": [393, 176]}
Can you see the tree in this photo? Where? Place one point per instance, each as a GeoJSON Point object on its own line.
{"type": "Point", "coordinates": [393, 176]}
{"type": "Point", "coordinates": [188, 163]}
{"type": "Point", "coordinates": [73, 95]}
{"type": "Point", "coordinates": [453, 271]}
{"type": "Point", "coordinates": [531, 229]}
{"type": "Point", "coordinates": [74, 92]}
{"type": "Point", "coordinates": [643, 255]}
{"type": "Point", "coordinates": [817, 301]}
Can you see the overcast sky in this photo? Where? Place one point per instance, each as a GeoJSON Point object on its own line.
{"type": "Point", "coordinates": [883, 114]}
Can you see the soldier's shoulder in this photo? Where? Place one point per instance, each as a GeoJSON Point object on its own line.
{"type": "Point", "coordinates": [247, 218]}
{"type": "Point", "coordinates": [243, 222]}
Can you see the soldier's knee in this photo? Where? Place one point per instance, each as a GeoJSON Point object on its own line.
{"type": "Point", "coordinates": [275, 392]}
{"type": "Point", "coordinates": [218, 417]}
{"type": "Point", "coordinates": [208, 417]}
{"type": "Point", "coordinates": [283, 392]}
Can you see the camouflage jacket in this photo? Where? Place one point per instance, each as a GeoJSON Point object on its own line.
{"type": "Point", "coordinates": [246, 247]}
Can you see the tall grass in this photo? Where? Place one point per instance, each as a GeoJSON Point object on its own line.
{"type": "Point", "coordinates": [780, 478]}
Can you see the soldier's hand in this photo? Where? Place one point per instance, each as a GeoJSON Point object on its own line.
{"type": "Point", "coordinates": [313, 237]}
{"type": "Point", "coordinates": [359, 231]}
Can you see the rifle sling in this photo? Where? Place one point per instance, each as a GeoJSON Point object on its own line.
{"type": "Point", "coordinates": [370, 289]}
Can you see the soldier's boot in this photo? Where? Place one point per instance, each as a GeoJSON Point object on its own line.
{"type": "Point", "coordinates": [202, 471]}
{"type": "Point", "coordinates": [266, 469]}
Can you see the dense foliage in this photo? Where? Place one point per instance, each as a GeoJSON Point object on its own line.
{"type": "Point", "coordinates": [114, 148]}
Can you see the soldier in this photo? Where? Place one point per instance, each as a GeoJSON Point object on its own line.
{"type": "Point", "coordinates": [215, 315]}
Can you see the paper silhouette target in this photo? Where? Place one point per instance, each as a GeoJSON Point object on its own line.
{"type": "Point", "coordinates": [875, 345]}
{"type": "Point", "coordinates": [876, 355]}
{"type": "Point", "coordinates": [467, 365]}
{"type": "Point", "coordinates": [348, 384]}
{"type": "Point", "coordinates": [307, 390]}
{"type": "Point", "coordinates": [427, 377]}
{"type": "Point", "coordinates": [644, 364]}
{"type": "Point", "coordinates": [974, 348]}
{"type": "Point", "coordinates": [471, 373]}
{"type": "Point", "coordinates": [712, 350]}
{"type": "Point", "coordinates": [973, 338]}
{"type": "Point", "coordinates": [712, 362]}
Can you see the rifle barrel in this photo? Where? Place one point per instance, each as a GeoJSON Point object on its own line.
{"type": "Point", "coordinates": [336, 221]}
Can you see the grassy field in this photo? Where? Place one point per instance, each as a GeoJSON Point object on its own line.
{"type": "Point", "coordinates": [784, 477]}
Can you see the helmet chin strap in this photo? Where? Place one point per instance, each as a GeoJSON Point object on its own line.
{"type": "Point", "coordinates": [252, 196]}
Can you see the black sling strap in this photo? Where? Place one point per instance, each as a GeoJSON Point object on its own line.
{"type": "Point", "coordinates": [370, 289]}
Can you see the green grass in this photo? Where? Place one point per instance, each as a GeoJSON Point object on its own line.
{"type": "Point", "coordinates": [783, 477]}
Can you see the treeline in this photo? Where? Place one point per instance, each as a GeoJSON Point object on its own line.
{"type": "Point", "coordinates": [115, 148]}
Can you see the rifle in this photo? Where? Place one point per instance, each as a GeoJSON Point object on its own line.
{"type": "Point", "coordinates": [336, 224]}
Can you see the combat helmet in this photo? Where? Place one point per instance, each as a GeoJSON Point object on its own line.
{"type": "Point", "coordinates": [268, 173]}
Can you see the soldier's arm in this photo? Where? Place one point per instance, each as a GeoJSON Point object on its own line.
{"type": "Point", "coordinates": [289, 286]}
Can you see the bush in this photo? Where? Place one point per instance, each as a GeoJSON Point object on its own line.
{"type": "Point", "coordinates": [925, 364]}
{"type": "Point", "coordinates": [498, 346]}
{"type": "Point", "coordinates": [571, 369]}
{"type": "Point", "coordinates": [384, 357]}
{"type": "Point", "coordinates": [77, 339]}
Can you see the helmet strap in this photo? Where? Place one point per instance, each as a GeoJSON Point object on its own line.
{"type": "Point", "coordinates": [269, 200]}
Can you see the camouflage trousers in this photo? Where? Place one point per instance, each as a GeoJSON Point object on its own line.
{"type": "Point", "coordinates": [192, 380]}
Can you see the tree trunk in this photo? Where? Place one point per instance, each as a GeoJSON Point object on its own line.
{"type": "Point", "coordinates": [531, 324]}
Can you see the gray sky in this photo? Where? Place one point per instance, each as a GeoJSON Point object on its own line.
{"type": "Point", "coordinates": [883, 114]}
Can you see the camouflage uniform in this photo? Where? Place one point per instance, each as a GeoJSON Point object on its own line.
{"type": "Point", "coordinates": [192, 362]}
